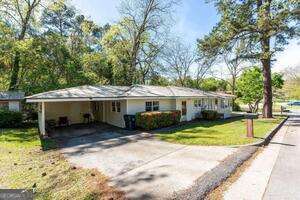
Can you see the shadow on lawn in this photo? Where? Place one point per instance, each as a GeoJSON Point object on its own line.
{"type": "Point", "coordinates": [183, 137]}
{"type": "Point", "coordinates": [48, 144]}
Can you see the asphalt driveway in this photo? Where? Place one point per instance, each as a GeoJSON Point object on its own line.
{"type": "Point", "coordinates": [143, 167]}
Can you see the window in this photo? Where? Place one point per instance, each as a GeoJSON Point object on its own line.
{"type": "Point", "coordinates": [96, 106]}
{"type": "Point", "coordinates": [210, 104]}
{"type": "Point", "coordinates": [152, 106]}
{"type": "Point", "coordinates": [183, 108]}
{"type": "Point", "coordinates": [155, 105]}
{"type": "Point", "coordinates": [200, 103]}
{"type": "Point", "coordinates": [223, 103]}
{"type": "Point", "coordinates": [113, 106]}
{"type": "Point", "coordinates": [204, 103]}
{"type": "Point", "coordinates": [216, 104]}
{"type": "Point", "coordinates": [148, 106]}
{"type": "Point", "coordinates": [118, 106]}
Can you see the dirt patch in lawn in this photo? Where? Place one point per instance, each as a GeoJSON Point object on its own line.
{"type": "Point", "coordinates": [24, 164]}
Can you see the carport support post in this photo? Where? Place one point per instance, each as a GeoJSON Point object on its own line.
{"type": "Point", "coordinates": [42, 119]}
{"type": "Point", "coordinates": [249, 122]}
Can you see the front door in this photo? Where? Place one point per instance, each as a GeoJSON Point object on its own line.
{"type": "Point", "coordinates": [183, 108]}
{"type": "Point", "coordinates": [98, 110]}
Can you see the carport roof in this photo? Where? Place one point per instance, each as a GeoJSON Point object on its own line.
{"type": "Point", "coordinates": [124, 92]}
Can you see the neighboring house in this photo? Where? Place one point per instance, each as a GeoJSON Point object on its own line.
{"type": "Point", "coordinates": [11, 100]}
{"type": "Point", "coordinates": [109, 104]}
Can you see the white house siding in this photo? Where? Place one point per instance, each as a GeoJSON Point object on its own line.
{"type": "Point", "coordinates": [227, 109]}
{"type": "Point", "coordinates": [190, 114]}
{"type": "Point", "coordinates": [138, 105]}
{"type": "Point", "coordinates": [73, 110]}
{"type": "Point", "coordinates": [113, 117]}
{"type": "Point", "coordinates": [11, 105]}
{"type": "Point", "coordinates": [209, 104]}
{"type": "Point", "coordinates": [14, 106]}
{"type": "Point", "coordinates": [195, 111]}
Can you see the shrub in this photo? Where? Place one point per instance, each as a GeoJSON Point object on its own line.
{"type": "Point", "coordinates": [31, 116]}
{"type": "Point", "coordinates": [210, 114]}
{"type": "Point", "coordinates": [10, 119]}
{"type": "Point", "coordinates": [157, 119]}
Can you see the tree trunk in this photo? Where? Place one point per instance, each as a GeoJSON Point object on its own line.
{"type": "Point", "coordinates": [267, 106]}
{"type": "Point", "coordinates": [15, 72]}
{"type": "Point", "coordinates": [233, 92]}
{"type": "Point", "coordinates": [266, 58]}
{"type": "Point", "coordinates": [14, 78]}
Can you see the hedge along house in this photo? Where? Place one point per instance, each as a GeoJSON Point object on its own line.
{"type": "Point", "coordinates": [109, 104]}
{"type": "Point", "coordinates": [11, 100]}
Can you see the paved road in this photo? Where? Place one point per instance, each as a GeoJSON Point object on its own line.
{"type": "Point", "coordinates": [284, 182]}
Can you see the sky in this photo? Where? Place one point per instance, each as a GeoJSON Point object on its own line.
{"type": "Point", "coordinates": [193, 19]}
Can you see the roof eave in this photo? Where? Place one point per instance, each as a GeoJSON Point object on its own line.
{"type": "Point", "coordinates": [36, 100]}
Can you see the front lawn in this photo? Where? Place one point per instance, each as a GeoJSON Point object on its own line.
{"type": "Point", "coordinates": [24, 165]}
{"type": "Point", "coordinates": [219, 132]}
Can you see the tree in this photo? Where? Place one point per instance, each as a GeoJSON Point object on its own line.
{"type": "Point", "coordinates": [250, 88]}
{"type": "Point", "coordinates": [265, 25]}
{"type": "Point", "coordinates": [204, 67]}
{"type": "Point", "coordinates": [233, 58]}
{"type": "Point", "coordinates": [277, 80]}
{"type": "Point", "coordinates": [291, 87]}
{"type": "Point", "coordinates": [116, 48]}
{"type": "Point", "coordinates": [6, 45]}
{"type": "Point", "coordinates": [178, 59]}
{"type": "Point", "coordinates": [143, 25]}
{"type": "Point", "coordinates": [212, 84]}
{"type": "Point", "coordinates": [58, 17]}
{"type": "Point", "coordinates": [277, 83]}
{"type": "Point", "coordinates": [20, 14]}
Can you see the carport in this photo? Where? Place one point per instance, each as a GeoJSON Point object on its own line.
{"type": "Point", "coordinates": [69, 107]}
{"type": "Point", "coordinates": [74, 112]}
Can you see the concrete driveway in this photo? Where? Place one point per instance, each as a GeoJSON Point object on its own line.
{"type": "Point", "coordinates": [143, 167]}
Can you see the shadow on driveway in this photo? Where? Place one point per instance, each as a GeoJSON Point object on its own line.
{"type": "Point", "coordinates": [137, 163]}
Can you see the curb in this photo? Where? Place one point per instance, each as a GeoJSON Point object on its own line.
{"type": "Point", "coordinates": [271, 134]}
{"type": "Point", "coordinates": [213, 178]}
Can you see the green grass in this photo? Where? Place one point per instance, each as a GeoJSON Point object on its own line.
{"type": "Point", "coordinates": [23, 162]}
{"type": "Point", "coordinates": [219, 132]}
